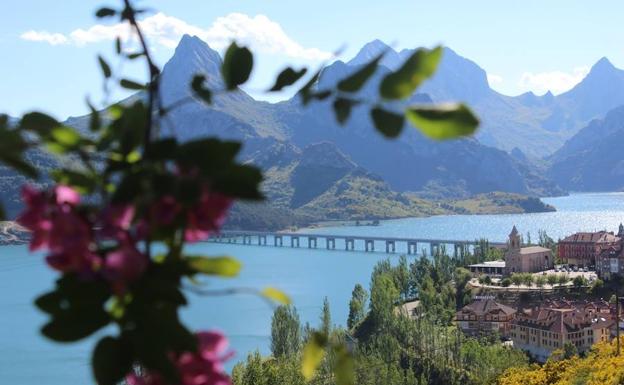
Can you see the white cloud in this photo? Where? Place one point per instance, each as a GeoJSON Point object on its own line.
{"type": "Point", "coordinates": [259, 32]}
{"type": "Point", "coordinates": [494, 79]}
{"type": "Point", "coordinates": [50, 38]}
{"type": "Point", "coordinates": [555, 81]}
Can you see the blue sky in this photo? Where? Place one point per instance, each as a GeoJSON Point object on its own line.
{"type": "Point", "coordinates": [48, 48]}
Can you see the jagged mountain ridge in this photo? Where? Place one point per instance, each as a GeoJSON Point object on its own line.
{"type": "Point", "coordinates": [592, 160]}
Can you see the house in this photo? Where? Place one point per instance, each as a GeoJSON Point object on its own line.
{"type": "Point", "coordinates": [610, 262]}
{"type": "Point", "coordinates": [542, 329]}
{"type": "Point", "coordinates": [491, 268]}
{"type": "Point", "coordinates": [529, 259]}
{"type": "Point", "coordinates": [485, 316]}
{"type": "Point", "coordinates": [582, 249]}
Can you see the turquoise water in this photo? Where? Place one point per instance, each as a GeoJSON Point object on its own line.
{"type": "Point", "coordinates": [307, 275]}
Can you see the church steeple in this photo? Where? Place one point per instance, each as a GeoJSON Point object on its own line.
{"type": "Point", "coordinates": [514, 239]}
{"type": "Point", "coordinates": [621, 230]}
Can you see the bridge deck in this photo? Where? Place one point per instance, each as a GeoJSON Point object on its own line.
{"type": "Point", "coordinates": [230, 234]}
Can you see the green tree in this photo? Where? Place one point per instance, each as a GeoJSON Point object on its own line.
{"type": "Point", "coordinates": [527, 279]}
{"type": "Point", "coordinates": [579, 281]}
{"type": "Point", "coordinates": [516, 279]}
{"type": "Point", "coordinates": [462, 293]}
{"type": "Point", "coordinates": [552, 279]}
{"type": "Point", "coordinates": [326, 324]}
{"type": "Point", "coordinates": [285, 331]}
{"type": "Point", "coordinates": [384, 296]}
{"type": "Point", "coordinates": [401, 277]}
{"type": "Point", "coordinates": [569, 350]}
{"type": "Point", "coordinates": [357, 306]}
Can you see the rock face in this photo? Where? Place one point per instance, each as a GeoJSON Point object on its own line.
{"type": "Point", "coordinates": [408, 164]}
{"type": "Point", "coordinates": [593, 160]}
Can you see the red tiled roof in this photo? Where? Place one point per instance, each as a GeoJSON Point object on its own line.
{"type": "Point", "coordinates": [566, 316]}
{"type": "Point", "coordinates": [483, 307]}
{"type": "Point", "coordinates": [597, 237]}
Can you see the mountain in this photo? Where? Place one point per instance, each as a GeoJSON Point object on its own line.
{"type": "Point", "coordinates": [320, 183]}
{"type": "Point", "coordinates": [307, 179]}
{"type": "Point", "coordinates": [600, 91]}
{"type": "Point", "coordinates": [592, 160]}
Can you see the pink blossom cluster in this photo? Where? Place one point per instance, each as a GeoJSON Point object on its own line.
{"type": "Point", "coordinates": [201, 220]}
{"type": "Point", "coordinates": [204, 367]}
{"type": "Point", "coordinates": [58, 226]}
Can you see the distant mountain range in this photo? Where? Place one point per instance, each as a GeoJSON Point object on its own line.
{"type": "Point", "coordinates": [593, 159]}
{"type": "Point", "coordinates": [528, 144]}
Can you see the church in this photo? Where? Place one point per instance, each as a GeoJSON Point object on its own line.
{"type": "Point", "coordinates": [530, 259]}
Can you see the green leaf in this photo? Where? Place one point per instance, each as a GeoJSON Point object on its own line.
{"type": "Point", "coordinates": [239, 181]}
{"type": "Point", "coordinates": [197, 85]}
{"type": "Point", "coordinates": [313, 354]}
{"type": "Point", "coordinates": [221, 266]}
{"type": "Point", "coordinates": [118, 45]}
{"type": "Point", "coordinates": [342, 109]}
{"type": "Point", "coordinates": [131, 84]}
{"type": "Point", "coordinates": [276, 295]}
{"type": "Point", "coordinates": [38, 122]}
{"type": "Point", "coordinates": [306, 91]}
{"type": "Point", "coordinates": [94, 119]}
{"type": "Point", "coordinates": [417, 68]}
{"type": "Point", "coordinates": [390, 124]}
{"type": "Point", "coordinates": [71, 327]}
{"type": "Point", "coordinates": [65, 136]}
{"type": "Point", "coordinates": [356, 81]}
{"type": "Point", "coordinates": [237, 65]}
{"type": "Point", "coordinates": [287, 78]}
{"type": "Point", "coordinates": [444, 121]}
{"type": "Point", "coordinates": [105, 12]}
{"type": "Point", "coordinates": [111, 361]}
{"type": "Point", "coordinates": [106, 70]}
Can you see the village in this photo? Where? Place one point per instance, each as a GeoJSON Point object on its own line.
{"type": "Point", "coordinates": [546, 299]}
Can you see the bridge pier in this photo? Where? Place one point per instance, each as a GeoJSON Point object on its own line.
{"type": "Point", "coordinates": [390, 246]}
{"type": "Point", "coordinates": [246, 239]}
{"type": "Point", "coordinates": [294, 240]}
{"type": "Point", "coordinates": [412, 247]}
{"type": "Point", "coordinates": [262, 240]}
{"type": "Point", "coordinates": [434, 248]}
{"type": "Point", "coordinates": [311, 242]}
{"type": "Point", "coordinates": [277, 238]}
{"type": "Point", "coordinates": [351, 242]}
{"type": "Point", "coordinates": [330, 242]}
{"type": "Point", "coordinates": [369, 243]}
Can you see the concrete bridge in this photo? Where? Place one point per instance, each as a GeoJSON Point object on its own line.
{"type": "Point", "coordinates": [348, 242]}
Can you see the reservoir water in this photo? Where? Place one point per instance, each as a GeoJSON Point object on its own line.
{"type": "Point", "coordinates": [306, 275]}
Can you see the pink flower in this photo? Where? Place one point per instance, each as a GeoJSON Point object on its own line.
{"type": "Point", "coordinates": [115, 221]}
{"type": "Point", "coordinates": [74, 262]}
{"type": "Point", "coordinates": [65, 194]}
{"type": "Point", "coordinates": [204, 367]}
{"type": "Point", "coordinates": [56, 225]}
{"type": "Point", "coordinates": [165, 210]}
{"type": "Point", "coordinates": [207, 216]}
{"type": "Point", "coordinates": [125, 264]}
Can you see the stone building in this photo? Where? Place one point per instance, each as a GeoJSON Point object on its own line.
{"type": "Point", "coordinates": [582, 249]}
{"type": "Point", "coordinates": [610, 262]}
{"type": "Point", "coordinates": [485, 316]}
{"type": "Point", "coordinates": [541, 330]}
{"type": "Point", "coordinates": [529, 259]}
